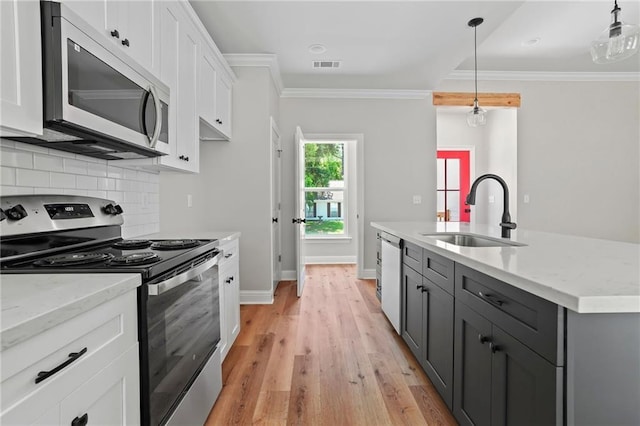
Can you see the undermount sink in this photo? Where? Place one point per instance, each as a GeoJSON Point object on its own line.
{"type": "Point", "coordinates": [470, 240]}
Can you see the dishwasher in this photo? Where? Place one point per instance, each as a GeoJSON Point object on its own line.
{"type": "Point", "coordinates": [391, 278]}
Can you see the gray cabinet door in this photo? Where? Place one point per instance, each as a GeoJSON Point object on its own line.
{"type": "Point", "coordinates": [472, 367]}
{"type": "Point", "coordinates": [437, 357]}
{"type": "Point", "coordinates": [524, 386]}
{"type": "Point", "coordinates": [412, 324]}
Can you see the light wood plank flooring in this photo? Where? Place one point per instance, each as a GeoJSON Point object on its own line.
{"type": "Point", "coordinates": [327, 358]}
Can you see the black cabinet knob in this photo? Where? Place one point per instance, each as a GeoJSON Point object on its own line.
{"type": "Point", "coordinates": [482, 339]}
{"type": "Point", "coordinates": [125, 42]}
{"type": "Point", "coordinates": [274, 220]}
{"type": "Point", "coordinates": [81, 421]}
{"type": "Point", "coordinates": [419, 287]}
{"type": "Point", "coordinates": [115, 34]}
{"type": "Point", "coordinates": [186, 158]}
{"type": "Point", "coordinates": [16, 212]}
{"type": "Point", "coordinates": [118, 209]}
{"type": "Point", "coordinates": [424, 289]}
{"type": "Point", "coordinates": [494, 348]}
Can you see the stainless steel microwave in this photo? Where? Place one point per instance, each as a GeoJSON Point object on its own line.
{"type": "Point", "coordinates": [97, 101]}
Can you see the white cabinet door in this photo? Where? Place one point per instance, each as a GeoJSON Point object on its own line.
{"type": "Point", "coordinates": [233, 304]}
{"type": "Point", "coordinates": [223, 105]}
{"type": "Point", "coordinates": [207, 91]}
{"type": "Point", "coordinates": [179, 70]}
{"type": "Point", "coordinates": [105, 399]}
{"type": "Point", "coordinates": [20, 69]}
{"type": "Point", "coordinates": [229, 278]}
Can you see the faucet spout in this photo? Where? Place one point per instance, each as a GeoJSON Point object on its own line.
{"type": "Point", "coordinates": [505, 222]}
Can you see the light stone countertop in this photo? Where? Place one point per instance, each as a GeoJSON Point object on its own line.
{"type": "Point", "coordinates": [33, 303]}
{"type": "Point", "coordinates": [586, 275]}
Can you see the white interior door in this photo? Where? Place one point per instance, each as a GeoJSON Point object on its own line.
{"type": "Point", "coordinates": [299, 215]}
{"type": "Point", "coordinates": [276, 198]}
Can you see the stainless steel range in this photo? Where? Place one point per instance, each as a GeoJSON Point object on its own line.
{"type": "Point", "coordinates": [178, 302]}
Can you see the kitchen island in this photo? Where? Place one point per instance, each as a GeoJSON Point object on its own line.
{"type": "Point", "coordinates": [547, 330]}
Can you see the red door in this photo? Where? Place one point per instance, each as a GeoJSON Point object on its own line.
{"type": "Point", "coordinates": [453, 185]}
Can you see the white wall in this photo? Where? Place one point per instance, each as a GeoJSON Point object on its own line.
{"type": "Point", "coordinates": [578, 155]}
{"type": "Point", "coordinates": [232, 191]}
{"type": "Point", "coordinates": [30, 169]}
{"type": "Point", "coordinates": [494, 150]}
{"type": "Point", "coordinates": [399, 158]}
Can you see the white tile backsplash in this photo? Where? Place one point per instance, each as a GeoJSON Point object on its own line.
{"type": "Point", "coordinates": [30, 169]}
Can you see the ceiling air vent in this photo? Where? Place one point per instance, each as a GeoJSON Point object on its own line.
{"type": "Point", "coordinates": [326, 64]}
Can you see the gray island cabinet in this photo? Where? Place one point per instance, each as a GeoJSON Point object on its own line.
{"type": "Point", "coordinates": [501, 355]}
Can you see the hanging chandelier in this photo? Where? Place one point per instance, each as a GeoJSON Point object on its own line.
{"type": "Point", "coordinates": [617, 42]}
{"type": "Point", "coordinates": [477, 116]}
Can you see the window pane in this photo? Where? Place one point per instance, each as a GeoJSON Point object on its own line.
{"type": "Point", "coordinates": [453, 173]}
{"type": "Point", "coordinates": [440, 174]}
{"type": "Point", "coordinates": [324, 212]}
{"type": "Point", "coordinates": [453, 205]}
{"type": "Point", "coordinates": [440, 201]}
{"type": "Point", "coordinates": [324, 164]}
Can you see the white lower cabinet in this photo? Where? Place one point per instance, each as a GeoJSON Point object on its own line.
{"type": "Point", "coordinates": [229, 279]}
{"type": "Point", "coordinates": [87, 370]}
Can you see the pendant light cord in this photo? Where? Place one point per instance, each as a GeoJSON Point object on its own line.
{"type": "Point", "coordinates": [475, 61]}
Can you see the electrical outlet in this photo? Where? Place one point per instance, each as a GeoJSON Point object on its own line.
{"type": "Point", "coordinates": [189, 200]}
{"type": "Point", "coordinates": [526, 198]}
{"type": "Point", "coordinates": [417, 199]}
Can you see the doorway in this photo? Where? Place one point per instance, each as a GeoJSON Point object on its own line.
{"type": "Point", "coordinates": [453, 172]}
{"type": "Point", "coordinates": [276, 202]}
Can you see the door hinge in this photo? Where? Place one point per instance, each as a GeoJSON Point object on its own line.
{"type": "Point", "coordinates": [279, 258]}
{"type": "Point", "coordinates": [279, 152]}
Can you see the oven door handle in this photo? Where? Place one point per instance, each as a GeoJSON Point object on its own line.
{"type": "Point", "coordinates": [173, 282]}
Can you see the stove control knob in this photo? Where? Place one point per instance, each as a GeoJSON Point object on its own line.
{"type": "Point", "coordinates": [118, 209]}
{"type": "Point", "coordinates": [110, 209]}
{"type": "Point", "coordinates": [16, 212]}
{"type": "Point", "coordinates": [2, 215]}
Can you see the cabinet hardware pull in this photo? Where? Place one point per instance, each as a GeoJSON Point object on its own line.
{"type": "Point", "coordinates": [419, 287]}
{"type": "Point", "coordinates": [274, 220]}
{"type": "Point", "coordinates": [81, 421]}
{"type": "Point", "coordinates": [494, 348]}
{"type": "Point", "coordinates": [228, 255]}
{"type": "Point", "coordinates": [228, 280]}
{"type": "Point", "coordinates": [115, 34]}
{"type": "Point", "coordinates": [491, 299]}
{"type": "Point", "coordinates": [425, 289]}
{"type": "Point", "coordinates": [43, 375]}
{"type": "Point", "coordinates": [482, 339]}
{"type": "Point", "coordinates": [125, 42]}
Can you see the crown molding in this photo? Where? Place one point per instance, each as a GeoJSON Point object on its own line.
{"type": "Point", "coordinates": [356, 93]}
{"type": "Point", "coordinates": [545, 76]}
{"type": "Point", "coordinates": [266, 60]}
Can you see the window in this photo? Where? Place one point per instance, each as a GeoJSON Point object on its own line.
{"type": "Point", "coordinates": [324, 179]}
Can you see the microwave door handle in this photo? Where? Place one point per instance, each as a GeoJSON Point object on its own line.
{"type": "Point", "coordinates": [173, 282]}
{"type": "Point", "coordinates": [156, 132]}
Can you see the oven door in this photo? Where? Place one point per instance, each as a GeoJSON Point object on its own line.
{"type": "Point", "coordinates": [179, 331]}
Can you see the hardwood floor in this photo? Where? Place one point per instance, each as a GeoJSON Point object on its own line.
{"type": "Point", "coordinates": [327, 358]}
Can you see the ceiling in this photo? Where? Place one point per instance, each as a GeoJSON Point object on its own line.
{"type": "Point", "coordinates": [413, 44]}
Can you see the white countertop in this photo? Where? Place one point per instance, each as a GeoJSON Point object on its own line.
{"type": "Point", "coordinates": [32, 303]}
{"type": "Point", "coordinates": [585, 275]}
{"type": "Point", "coordinates": [221, 236]}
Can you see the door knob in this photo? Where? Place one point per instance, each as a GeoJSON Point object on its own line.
{"type": "Point", "coordinates": [274, 220]}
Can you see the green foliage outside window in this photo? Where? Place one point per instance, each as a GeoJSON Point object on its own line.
{"type": "Point", "coordinates": [323, 163]}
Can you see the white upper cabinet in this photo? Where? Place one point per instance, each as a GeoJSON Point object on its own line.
{"type": "Point", "coordinates": [179, 70]}
{"type": "Point", "coordinates": [214, 97]}
{"type": "Point", "coordinates": [20, 68]}
{"type": "Point", "coordinates": [131, 25]}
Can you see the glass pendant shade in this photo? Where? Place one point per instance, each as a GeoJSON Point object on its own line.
{"type": "Point", "coordinates": [617, 42]}
{"type": "Point", "coordinates": [477, 116]}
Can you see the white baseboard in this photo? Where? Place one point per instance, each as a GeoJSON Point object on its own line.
{"type": "Point", "coordinates": [369, 274]}
{"type": "Point", "coordinates": [329, 260]}
{"type": "Point", "coordinates": [288, 276]}
{"type": "Point", "coordinates": [256, 297]}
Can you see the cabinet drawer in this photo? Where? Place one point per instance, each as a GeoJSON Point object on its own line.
{"type": "Point", "coordinates": [529, 318]}
{"type": "Point", "coordinates": [438, 269]}
{"type": "Point", "coordinates": [105, 332]}
{"type": "Point", "coordinates": [412, 256]}
{"type": "Point", "coordinates": [229, 252]}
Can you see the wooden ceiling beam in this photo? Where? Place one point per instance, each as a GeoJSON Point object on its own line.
{"type": "Point", "coordinates": [484, 99]}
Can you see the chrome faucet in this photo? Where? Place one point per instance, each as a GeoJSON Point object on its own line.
{"type": "Point", "coordinates": [505, 223]}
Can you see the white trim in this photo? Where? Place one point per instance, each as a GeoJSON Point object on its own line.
{"type": "Point", "coordinates": [326, 239]}
{"type": "Point", "coordinates": [256, 297]}
{"type": "Point", "coordinates": [545, 76]}
{"type": "Point", "coordinates": [368, 274]}
{"type": "Point", "coordinates": [288, 275]}
{"type": "Point", "coordinates": [330, 260]}
{"type": "Point", "coordinates": [355, 93]}
{"type": "Point", "coordinates": [258, 60]}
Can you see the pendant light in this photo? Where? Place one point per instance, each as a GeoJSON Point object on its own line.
{"type": "Point", "coordinates": [477, 116]}
{"type": "Point", "coordinates": [617, 42]}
